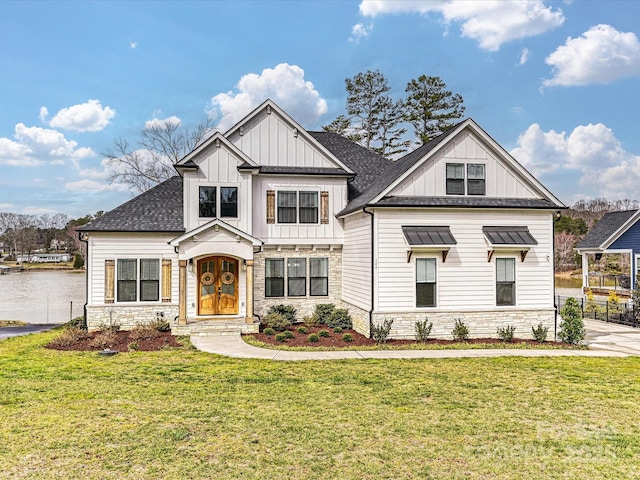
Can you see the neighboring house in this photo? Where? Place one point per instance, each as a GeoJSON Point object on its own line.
{"type": "Point", "coordinates": [269, 214]}
{"type": "Point", "coordinates": [615, 232]}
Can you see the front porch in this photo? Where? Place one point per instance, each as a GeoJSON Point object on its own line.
{"type": "Point", "coordinates": [215, 326]}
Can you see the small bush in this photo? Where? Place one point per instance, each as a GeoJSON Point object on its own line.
{"type": "Point", "coordinates": [572, 327]}
{"type": "Point", "coordinates": [109, 328]}
{"type": "Point", "coordinates": [78, 261]}
{"type": "Point", "coordinates": [133, 346]}
{"type": "Point", "coordinates": [309, 320]}
{"type": "Point", "coordinates": [460, 331]}
{"type": "Point", "coordinates": [506, 333]}
{"type": "Point", "coordinates": [68, 337]}
{"type": "Point", "coordinates": [160, 324]}
{"type": "Point", "coordinates": [340, 318]}
{"type": "Point", "coordinates": [337, 330]}
{"type": "Point", "coordinates": [281, 337]}
{"type": "Point", "coordinates": [77, 322]}
{"type": "Point", "coordinates": [104, 339]}
{"type": "Point", "coordinates": [288, 334]}
{"type": "Point", "coordinates": [423, 330]}
{"type": "Point", "coordinates": [289, 311]}
{"type": "Point", "coordinates": [323, 312]}
{"type": "Point", "coordinates": [269, 331]}
{"type": "Point", "coordinates": [323, 333]}
{"type": "Point", "coordinates": [347, 337]}
{"type": "Point", "coordinates": [302, 330]}
{"type": "Point", "coordinates": [540, 333]}
{"type": "Point", "coordinates": [277, 321]}
{"type": "Point", "coordinates": [381, 332]}
{"type": "Point", "coordinates": [313, 338]}
{"type": "Point", "coordinates": [144, 332]}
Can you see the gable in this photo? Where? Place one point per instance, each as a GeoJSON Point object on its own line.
{"type": "Point", "coordinates": [501, 180]}
{"type": "Point", "coordinates": [270, 138]}
{"type": "Point", "coordinates": [217, 162]}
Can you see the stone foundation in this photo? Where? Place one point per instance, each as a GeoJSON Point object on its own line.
{"type": "Point", "coordinates": [359, 317]}
{"type": "Point", "coordinates": [128, 316]}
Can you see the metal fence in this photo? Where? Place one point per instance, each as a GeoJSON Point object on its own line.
{"type": "Point", "coordinates": [615, 312]}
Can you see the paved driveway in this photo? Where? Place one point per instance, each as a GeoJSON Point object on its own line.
{"type": "Point", "coordinates": [6, 332]}
{"type": "Point", "coordinates": [605, 336]}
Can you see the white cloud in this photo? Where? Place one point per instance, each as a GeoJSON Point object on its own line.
{"type": "Point", "coordinates": [38, 180]}
{"type": "Point", "coordinates": [6, 206]}
{"type": "Point", "coordinates": [524, 56]}
{"type": "Point", "coordinates": [606, 169]}
{"type": "Point", "coordinates": [44, 113]}
{"type": "Point", "coordinates": [491, 22]}
{"type": "Point", "coordinates": [39, 211]}
{"type": "Point", "coordinates": [600, 55]}
{"type": "Point", "coordinates": [133, 45]}
{"type": "Point", "coordinates": [360, 31]}
{"type": "Point", "coordinates": [85, 117]}
{"type": "Point", "coordinates": [284, 84]}
{"type": "Point", "coordinates": [95, 187]}
{"type": "Point", "coordinates": [158, 123]}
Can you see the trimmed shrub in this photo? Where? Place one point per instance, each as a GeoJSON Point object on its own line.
{"type": "Point", "coordinates": [313, 338]}
{"type": "Point", "coordinates": [323, 333]}
{"type": "Point", "coordinates": [281, 337]}
{"type": "Point", "coordinates": [381, 332]}
{"type": "Point", "coordinates": [340, 318]}
{"type": "Point", "coordinates": [160, 324]}
{"type": "Point", "coordinates": [104, 339]}
{"type": "Point", "coordinates": [572, 327]}
{"type": "Point", "coordinates": [277, 321]}
{"type": "Point", "coordinates": [323, 312]}
{"type": "Point", "coordinates": [423, 330]}
{"type": "Point", "coordinates": [144, 332]}
{"type": "Point", "coordinates": [288, 334]}
{"type": "Point", "coordinates": [269, 331]}
{"type": "Point", "coordinates": [289, 311]}
{"type": "Point", "coordinates": [69, 336]}
{"type": "Point", "coordinates": [77, 322]}
{"type": "Point", "coordinates": [133, 346]}
{"type": "Point", "coordinates": [460, 331]}
{"type": "Point", "coordinates": [540, 333]}
{"type": "Point", "coordinates": [506, 333]}
{"type": "Point", "coordinates": [347, 337]}
{"type": "Point", "coordinates": [302, 330]}
{"type": "Point", "coordinates": [337, 330]}
{"type": "Point", "coordinates": [78, 261]}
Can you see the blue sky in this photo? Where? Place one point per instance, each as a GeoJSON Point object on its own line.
{"type": "Point", "coordinates": [555, 83]}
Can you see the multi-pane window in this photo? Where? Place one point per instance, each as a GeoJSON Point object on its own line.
{"type": "Point", "coordinates": [505, 281]}
{"type": "Point", "coordinates": [229, 202]}
{"type": "Point", "coordinates": [287, 207]}
{"type": "Point", "coordinates": [455, 178]}
{"type": "Point", "coordinates": [318, 276]}
{"type": "Point", "coordinates": [308, 207]}
{"type": "Point", "coordinates": [207, 200]}
{"type": "Point", "coordinates": [274, 277]}
{"type": "Point", "coordinates": [296, 277]}
{"type": "Point", "coordinates": [133, 287]}
{"type": "Point", "coordinates": [425, 282]}
{"type": "Point", "coordinates": [475, 179]}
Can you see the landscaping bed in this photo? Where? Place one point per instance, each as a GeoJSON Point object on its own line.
{"type": "Point", "coordinates": [121, 341]}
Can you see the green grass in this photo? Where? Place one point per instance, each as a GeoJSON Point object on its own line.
{"type": "Point", "coordinates": [182, 413]}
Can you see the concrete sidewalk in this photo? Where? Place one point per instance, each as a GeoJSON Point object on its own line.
{"type": "Point", "coordinates": [604, 340]}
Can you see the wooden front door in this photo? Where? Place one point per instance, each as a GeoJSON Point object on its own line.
{"type": "Point", "coordinates": [218, 286]}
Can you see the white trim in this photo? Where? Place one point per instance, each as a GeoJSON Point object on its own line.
{"type": "Point", "coordinates": [212, 224]}
{"type": "Point", "coordinates": [217, 136]}
{"type": "Point", "coordinates": [620, 231]}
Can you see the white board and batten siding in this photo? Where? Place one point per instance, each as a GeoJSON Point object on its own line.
{"type": "Point", "coordinates": [218, 167]}
{"type": "Point", "coordinates": [466, 280]}
{"type": "Point", "coordinates": [269, 139]}
{"type": "Point", "coordinates": [430, 178]}
{"type": "Point", "coordinates": [356, 261]}
{"type": "Point", "coordinates": [299, 233]}
{"type": "Point", "coordinates": [113, 246]}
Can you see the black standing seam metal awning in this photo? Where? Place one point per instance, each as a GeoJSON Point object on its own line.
{"type": "Point", "coordinates": [418, 236]}
{"type": "Point", "coordinates": [506, 236]}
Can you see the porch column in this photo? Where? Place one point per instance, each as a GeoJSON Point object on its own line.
{"type": "Point", "coordinates": [585, 271]}
{"type": "Point", "coordinates": [249, 300]}
{"type": "Point", "coordinates": [182, 292]}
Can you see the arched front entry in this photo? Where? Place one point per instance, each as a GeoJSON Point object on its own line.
{"type": "Point", "coordinates": [217, 286]}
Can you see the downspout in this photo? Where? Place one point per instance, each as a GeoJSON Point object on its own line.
{"type": "Point", "coordinates": [555, 217]}
{"type": "Point", "coordinates": [373, 290]}
{"type": "Point", "coordinates": [86, 276]}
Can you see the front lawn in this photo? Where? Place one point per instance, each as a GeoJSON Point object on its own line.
{"type": "Point", "coordinates": [183, 414]}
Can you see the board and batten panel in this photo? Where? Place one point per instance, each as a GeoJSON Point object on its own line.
{"type": "Point", "coordinates": [269, 139]}
{"type": "Point", "coordinates": [112, 246]}
{"type": "Point", "coordinates": [430, 178]}
{"type": "Point", "coordinates": [356, 261]}
{"type": "Point", "coordinates": [466, 280]}
{"type": "Point", "coordinates": [217, 167]}
{"type": "Point", "coordinates": [291, 233]}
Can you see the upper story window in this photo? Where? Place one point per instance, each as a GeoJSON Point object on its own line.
{"type": "Point", "coordinates": [228, 201]}
{"type": "Point", "coordinates": [475, 179]}
{"type": "Point", "coordinates": [297, 207]}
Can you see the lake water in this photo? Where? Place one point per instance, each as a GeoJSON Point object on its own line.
{"type": "Point", "coordinates": [42, 297]}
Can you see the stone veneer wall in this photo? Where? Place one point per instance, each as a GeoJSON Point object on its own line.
{"type": "Point", "coordinates": [128, 316]}
{"type": "Point", "coordinates": [481, 324]}
{"type": "Point", "coordinates": [304, 305]}
{"type": "Point", "coordinates": [359, 317]}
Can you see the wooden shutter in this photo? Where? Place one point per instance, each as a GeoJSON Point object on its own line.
{"type": "Point", "coordinates": [166, 280]}
{"type": "Point", "coordinates": [271, 206]}
{"type": "Point", "coordinates": [109, 280]}
{"type": "Point", "coordinates": [324, 207]}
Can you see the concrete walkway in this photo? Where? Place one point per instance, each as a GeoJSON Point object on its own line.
{"type": "Point", "coordinates": [7, 332]}
{"type": "Point", "coordinates": [604, 340]}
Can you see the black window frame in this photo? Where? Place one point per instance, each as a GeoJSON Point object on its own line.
{"type": "Point", "coordinates": [310, 211]}
{"type": "Point", "coordinates": [149, 288]}
{"type": "Point", "coordinates": [294, 282]}
{"type": "Point", "coordinates": [207, 208]}
{"type": "Point", "coordinates": [502, 286]}
{"type": "Point", "coordinates": [287, 214]}
{"type": "Point", "coordinates": [423, 285]}
{"type": "Point", "coordinates": [454, 184]}
{"type": "Point", "coordinates": [319, 281]}
{"type": "Point", "coordinates": [127, 288]}
{"type": "Point", "coordinates": [271, 281]}
{"type": "Point", "coordinates": [476, 186]}
{"type": "Point", "coordinates": [226, 204]}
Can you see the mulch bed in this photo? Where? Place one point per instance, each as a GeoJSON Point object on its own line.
{"type": "Point", "coordinates": [359, 340]}
{"type": "Point", "coordinates": [122, 343]}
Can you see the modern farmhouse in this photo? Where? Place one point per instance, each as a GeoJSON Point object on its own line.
{"type": "Point", "coordinates": [269, 213]}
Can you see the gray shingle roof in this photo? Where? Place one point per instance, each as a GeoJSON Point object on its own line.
{"type": "Point", "coordinates": [474, 201]}
{"type": "Point", "coordinates": [509, 235]}
{"type": "Point", "coordinates": [367, 165]}
{"type": "Point", "coordinates": [275, 170]}
{"type": "Point", "coordinates": [606, 227]}
{"type": "Point", "coordinates": [159, 209]}
{"type": "Point", "coordinates": [428, 235]}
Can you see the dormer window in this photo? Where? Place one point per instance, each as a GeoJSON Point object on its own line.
{"type": "Point", "coordinates": [475, 179]}
{"type": "Point", "coordinates": [208, 202]}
